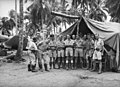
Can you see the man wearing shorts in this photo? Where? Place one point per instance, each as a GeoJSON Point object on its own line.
{"type": "Point", "coordinates": [78, 51]}
{"type": "Point", "coordinates": [97, 55]}
{"type": "Point", "coordinates": [52, 51]}
{"type": "Point", "coordinates": [89, 51]}
{"type": "Point", "coordinates": [69, 52]}
{"type": "Point", "coordinates": [60, 52]}
{"type": "Point", "coordinates": [32, 49]}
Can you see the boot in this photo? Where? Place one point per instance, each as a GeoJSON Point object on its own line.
{"type": "Point", "coordinates": [54, 65]}
{"type": "Point", "coordinates": [54, 61]}
{"type": "Point", "coordinates": [29, 67]}
{"type": "Point", "coordinates": [66, 66]}
{"type": "Point", "coordinates": [75, 67]}
{"type": "Point", "coordinates": [51, 63]}
{"type": "Point", "coordinates": [40, 66]}
{"type": "Point", "coordinates": [81, 65]}
{"type": "Point", "coordinates": [94, 66]}
{"type": "Point", "coordinates": [45, 65]}
{"type": "Point", "coordinates": [87, 66]}
{"type": "Point", "coordinates": [100, 68]}
{"type": "Point", "coordinates": [58, 65]}
{"type": "Point", "coordinates": [72, 66]}
{"type": "Point", "coordinates": [63, 63]}
{"type": "Point", "coordinates": [33, 68]}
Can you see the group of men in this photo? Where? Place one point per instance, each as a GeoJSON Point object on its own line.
{"type": "Point", "coordinates": [70, 52]}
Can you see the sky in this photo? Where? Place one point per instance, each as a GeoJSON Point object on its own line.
{"type": "Point", "coordinates": [7, 5]}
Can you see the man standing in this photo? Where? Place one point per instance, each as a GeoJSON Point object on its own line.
{"type": "Point", "coordinates": [43, 56]}
{"type": "Point", "coordinates": [32, 50]}
{"type": "Point", "coordinates": [97, 56]}
{"type": "Point", "coordinates": [78, 51]}
{"type": "Point", "coordinates": [69, 52]}
{"type": "Point", "coordinates": [52, 46]}
{"type": "Point", "coordinates": [60, 52]}
{"type": "Point", "coordinates": [89, 51]}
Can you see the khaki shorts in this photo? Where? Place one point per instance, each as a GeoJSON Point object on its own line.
{"type": "Point", "coordinates": [32, 58]}
{"type": "Point", "coordinates": [89, 53]}
{"type": "Point", "coordinates": [60, 53]}
{"type": "Point", "coordinates": [97, 55]}
{"type": "Point", "coordinates": [78, 52]}
{"type": "Point", "coordinates": [69, 52]}
{"type": "Point", "coordinates": [52, 53]}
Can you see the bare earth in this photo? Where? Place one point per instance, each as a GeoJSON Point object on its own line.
{"type": "Point", "coordinates": [16, 75]}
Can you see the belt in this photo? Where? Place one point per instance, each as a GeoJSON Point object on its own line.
{"type": "Point", "coordinates": [78, 47]}
{"type": "Point", "coordinates": [52, 48]}
{"type": "Point", "coordinates": [69, 46]}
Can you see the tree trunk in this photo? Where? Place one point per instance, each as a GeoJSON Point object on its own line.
{"type": "Point", "coordinates": [74, 3]}
{"type": "Point", "coordinates": [63, 4]}
{"type": "Point", "coordinates": [20, 46]}
{"type": "Point", "coordinates": [41, 9]}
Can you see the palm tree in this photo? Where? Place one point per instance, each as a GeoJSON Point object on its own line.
{"type": "Point", "coordinates": [20, 46]}
{"type": "Point", "coordinates": [114, 9]}
{"type": "Point", "coordinates": [90, 8]}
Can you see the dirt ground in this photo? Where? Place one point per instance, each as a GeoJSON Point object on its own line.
{"type": "Point", "coordinates": [16, 75]}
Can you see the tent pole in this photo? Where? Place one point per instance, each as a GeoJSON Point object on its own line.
{"type": "Point", "coordinates": [78, 28]}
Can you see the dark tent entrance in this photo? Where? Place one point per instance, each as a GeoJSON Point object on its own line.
{"type": "Point", "coordinates": [81, 28]}
{"type": "Point", "coordinates": [77, 28]}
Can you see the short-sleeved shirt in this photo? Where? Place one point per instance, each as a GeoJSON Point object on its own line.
{"type": "Point", "coordinates": [31, 46]}
{"type": "Point", "coordinates": [99, 43]}
{"type": "Point", "coordinates": [89, 44]}
{"type": "Point", "coordinates": [60, 43]}
{"type": "Point", "coordinates": [52, 43]}
{"type": "Point", "coordinates": [79, 43]}
{"type": "Point", "coordinates": [69, 42]}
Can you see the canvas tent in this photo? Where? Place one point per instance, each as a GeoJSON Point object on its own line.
{"type": "Point", "coordinates": [109, 31]}
{"type": "Point", "coordinates": [114, 43]}
{"type": "Point", "coordinates": [86, 25]}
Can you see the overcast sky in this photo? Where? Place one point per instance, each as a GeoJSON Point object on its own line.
{"type": "Point", "coordinates": [7, 5]}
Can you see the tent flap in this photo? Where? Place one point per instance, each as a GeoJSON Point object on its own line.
{"type": "Point", "coordinates": [104, 29]}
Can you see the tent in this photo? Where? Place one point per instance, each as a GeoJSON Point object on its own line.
{"type": "Point", "coordinates": [114, 43]}
{"type": "Point", "coordinates": [14, 41]}
{"type": "Point", "coordinates": [109, 31]}
{"type": "Point", "coordinates": [86, 25]}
